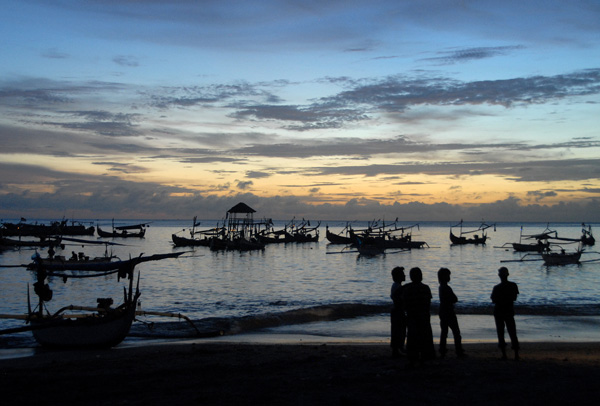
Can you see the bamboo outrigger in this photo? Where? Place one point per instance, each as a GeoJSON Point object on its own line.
{"type": "Point", "coordinates": [100, 327]}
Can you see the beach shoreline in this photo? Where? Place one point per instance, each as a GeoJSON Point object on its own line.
{"type": "Point", "coordinates": [294, 374]}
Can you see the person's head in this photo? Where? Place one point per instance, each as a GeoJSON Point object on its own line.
{"type": "Point", "coordinates": [398, 274]}
{"type": "Point", "coordinates": [444, 275]}
{"type": "Point", "coordinates": [416, 275]}
{"type": "Point", "coordinates": [503, 273]}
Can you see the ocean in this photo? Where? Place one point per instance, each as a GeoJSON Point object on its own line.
{"type": "Point", "coordinates": [291, 286]}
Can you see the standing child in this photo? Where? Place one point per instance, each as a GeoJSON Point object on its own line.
{"type": "Point", "coordinates": [448, 315]}
{"type": "Point", "coordinates": [503, 296]}
{"type": "Point", "coordinates": [398, 316]}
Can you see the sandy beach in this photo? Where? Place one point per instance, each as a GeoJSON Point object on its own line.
{"type": "Point", "coordinates": [301, 374]}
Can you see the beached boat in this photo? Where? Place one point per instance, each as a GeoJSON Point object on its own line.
{"type": "Point", "coordinates": [79, 326]}
{"type": "Point", "coordinates": [464, 238]}
{"type": "Point", "coordinates": [104, 328]}
{"type": "Point", "coordinates": [123, 231]}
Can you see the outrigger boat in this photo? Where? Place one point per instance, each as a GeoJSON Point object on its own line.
{"type": "Point", "coordinates": [240, 230]}
{"type": "Point", "coordinates": [123, 231]}
{"type": "Point", "coordinates": [387, 235]}
{"type": "Point", "coordinates": [542, 244]}
{"type": "Point", "coordinates": [99, 327]}
{"type": "Point", "coordinates": [55, 228]}
{"type": "Point", "coordinates": [341, 238]}
{"type": "Point", "coordinates": [193, 241]}
{"type": "Point", "coordinates": [561, 258]}
{"type": "Point", "coordinates": [40, 242]}
{"type": "Point", "coordinates": [587, 238]}
{"type": "Point", "coordinates": [463, 239]}
{"type": "Point", "coordinates": [303, 231]}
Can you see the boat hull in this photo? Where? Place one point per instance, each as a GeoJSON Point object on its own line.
{"type": "Point", "coordinates": [475, 240]}
{"type": "Point", "coordinates": [338, 239]}
{"type": "Point", "coordinates": [189, 242]}
{"type": "Point", "coordinates": [561, 258]}
{"type": "Point", "coordinates": [120, 234]}
{"type": "Point", "coordinates": [93, 331]}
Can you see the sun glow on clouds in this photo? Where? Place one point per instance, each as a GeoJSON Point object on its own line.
{"type": "Point", "coordinates": [330, 102]}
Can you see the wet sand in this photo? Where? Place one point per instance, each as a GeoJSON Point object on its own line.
{"type": "Point", "coordinates": [214, 373]}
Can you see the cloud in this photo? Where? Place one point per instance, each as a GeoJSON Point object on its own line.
{"type": "Point", "coordinates": [468, 54]}
{"type": "Point", "coordinates": [535, 171]}
{"type": "Point", "coordinates": [89, 196]}
{"type": "Point", "coordinates": [243, 185]}
{"type": "Point", "coordinates": [540, 195]}
{"type": "Point", "coordinates": [257, 174]}
{"type": "Point", "coordinates": [126, 60]}
{"type": "Point", "coordinates": [54, 53]}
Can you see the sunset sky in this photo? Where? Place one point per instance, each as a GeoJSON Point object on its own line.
{"type": "Point", "coordinates": [360, 109]}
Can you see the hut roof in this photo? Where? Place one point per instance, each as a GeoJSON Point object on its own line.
{"type": "Point", "coordinates": [241, 208]}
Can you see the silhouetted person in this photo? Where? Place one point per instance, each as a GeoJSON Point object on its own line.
{"type": "Point", "coordinates": [503, 297]}
{"type": "Point", "coordinates": [398, 315]}
{"type": "Point", "coordinates": [416, 297]}
{"type": "Point", "coordinates": [448, 315]}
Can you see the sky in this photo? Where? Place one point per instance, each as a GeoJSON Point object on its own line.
{"type": "Point", "coordinates": [334, 110]}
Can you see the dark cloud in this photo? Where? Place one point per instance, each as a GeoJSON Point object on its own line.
{"type": "Point", "coordinates": [257, 174]}
{"type": "Point", "coordinates": [100, 122]}
{"type": "Point", "coordinates": [540, 194]}
{"type": "Point", "coordinates": [536, 171]}
{"type": "Point", "coordinates": [243, 185]}
{"type": "Point", "coordinates": [468, 54]}
{"type": "Point", "coordinates": [126, 60]}
{"type": "Point", "coordinates": [398, 94]}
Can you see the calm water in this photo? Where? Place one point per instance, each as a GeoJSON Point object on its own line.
{"type": "Point", "coordinates": [204, 284]}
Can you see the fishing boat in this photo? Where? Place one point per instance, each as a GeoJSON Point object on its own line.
{"type": "Point", "coordinates": [343, 237]}
{"type": "Point", "coordinates": [561, 258]}
{"type": "Point", "coordinates": [541, 241]}
{"type": "Point", "coordinates": [55, 228]}
{"type": "Point", "coordinates": [240, 230]}
{"type": "Point", "coordinates": [303, 231]}
{"type": "Point", "coordinates": [388, 235]}
{"type": "Point", "coordinates": [271, 236]}
{"type": "Point", "coordinates": [77, 262]}
{"type": "Point", "coordinates": [369, 249]}
{"type": "Point", "coordinates": [198, 238]}
{"type": "Point", "coordinates": [102, 326]}
{"type": "Point", "coordinates": [40, 242]}
{"type": "Point", "coordinates": [464, 238]}
{"type": "Point", "coordinates": [587, 238]}
{"type": "Point", "coordinates": [106, 263]}
{"type": "Point", "coordinates": [124, 231]}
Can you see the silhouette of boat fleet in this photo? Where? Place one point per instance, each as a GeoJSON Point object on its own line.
{"type": "Point", "coordinates": [107, 326]}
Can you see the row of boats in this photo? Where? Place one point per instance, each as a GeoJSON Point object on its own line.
{"type": "Point", "coordinates": [46, 235]}
{"type": "Point", "coordinates": [240, 231]}
{"type": "Point", "coordinates": [106, 326]}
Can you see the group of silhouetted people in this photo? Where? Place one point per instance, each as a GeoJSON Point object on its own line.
{"type": "Point", "coordinates": [410, 315]}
